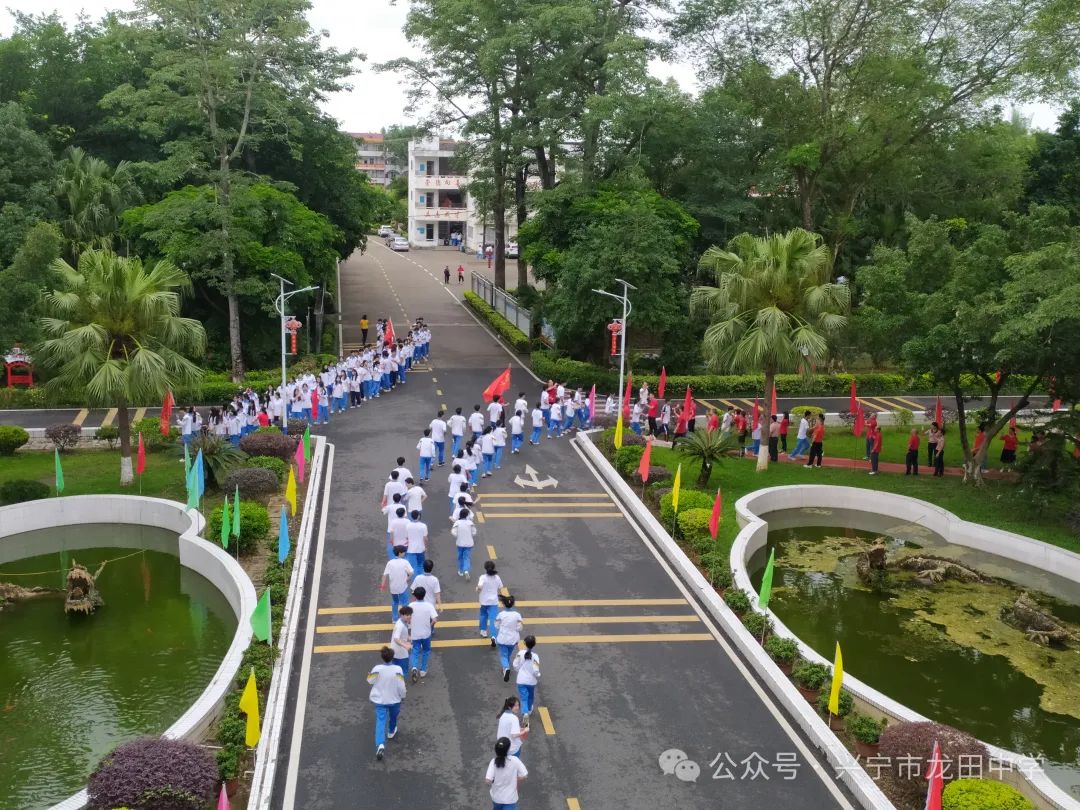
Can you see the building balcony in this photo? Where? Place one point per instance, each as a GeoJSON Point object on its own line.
{"type": "Point", "coordinates": [439, 213]}
{"type": "Point", "coordinates": [448, 181]}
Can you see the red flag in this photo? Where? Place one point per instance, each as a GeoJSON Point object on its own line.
{"type": "Point", "coordinates": [853, 401]}
{"type": "Point", "coordinates": [938, 415]}
{"type": "Point", "coordinates": [857, 426]}
{"type": "Point", "coordinates": [757, 416]}
{"type": "Point", "coordinates": [140, 459]}
{"type": "Point", "coordinates": [773, 409]}
{"type": "Point", "coordinates": [714, 521]}
{"type": "Point", "coordinates": [626, 398]}
{"type": "Point", "coordinates": [592, 403]}
{"type": "Point", "coordinates": [1057, 406]}
{"type": "Point", "coordinates": [166, 413]}
{"type": "Point", "coordinates": [860, 426]}
{"type": "Point", "coordinates": [499, 386]}
{"type": "Point", "coordinates": [643, 466]}
{"type": "Point", "coordinates": [388, 335]}
{"type": "Point", "coordinates": [315, 403]}
{"type": "Point", "coordinates": [662, 384]}
{"type": "Point", "coordinates": [936, 778]}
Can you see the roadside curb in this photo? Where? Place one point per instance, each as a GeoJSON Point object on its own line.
{"type": "Point", "coordinates": [862, 787]}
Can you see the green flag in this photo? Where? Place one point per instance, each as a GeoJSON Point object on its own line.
{"type": "Point", "coordinates": [260, 618]}
{"type": "Point", "coordinates": [766, 582]}
{"type": "Point", "coordinates": [225, 521]}
{"type": "Point", "coordinates": [187, 462]}
{"type": "Point", "coordinates": [307, 443]}
{"type": "Point", "coordinates": [236, 514]}
{"type": "Point", "coordinates": [59, 472]}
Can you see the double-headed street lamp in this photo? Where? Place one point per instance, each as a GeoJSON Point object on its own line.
{"type": "Point", "coordinates": [279, 304]}
{"type": "Point", "coordinates": [624, 299]}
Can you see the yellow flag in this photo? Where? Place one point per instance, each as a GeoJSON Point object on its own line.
{"type": "Point", "coordinates": [249, 705]}
{"type": "Point", "coordinates": [290, 491]}
{"type": "Point", "coordinates": [618, 433]}
{"type": "Point", "coordinates": [837, 682]}
{"type": "Point", "coordinates": [675, 489]}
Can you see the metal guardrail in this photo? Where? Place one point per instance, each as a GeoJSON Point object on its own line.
{"type": "Point", "coordinates": [502, 302]}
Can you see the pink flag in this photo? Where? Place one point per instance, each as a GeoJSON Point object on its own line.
{"type": "Point", "coordinates": [223, 799]}
{"type": "Point", "coordinates": [936, 778]}
{"type": "Point", "coordinates": [300, 461]}
{"type": "Point", "coordinates": [592, 403]}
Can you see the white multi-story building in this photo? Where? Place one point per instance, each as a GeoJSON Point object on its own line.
{"type": "Point", "coordinates": [439, 207]}
{"type": "Point", "coordinates": [373, 158]}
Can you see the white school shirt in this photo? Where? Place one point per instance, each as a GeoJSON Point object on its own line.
{"type": "Point", "coordinates": [387, 684]}
{"type": "Point", "coordinates": [545, 400]}
{"type": "Point", "coordinates": [390, 510]}
{"type": "Point", "coordinates": [489, 589]}
{"type": "Point", "coordinates": [509, 623]}
{"type": "Point", "coordinates": [521, 404]}
{"type": "Point", "coordinates": [528, 669]}
{"type": "Point", "coordinates": [643, 394]}
{"type": "Point", "coordinates": [556, 411]}
{"type": "Point", "coordinates": [430, 584]}
{"type": "Point", "coordinates": [517, 425]}
{"type": "Point", "coordinates": [487, 444]}
{"type": "Point", "coordinates": [476, 421]}
{"type": "Point", "coordinates": [186, 424]}
{"type": "Point", "coordinates": [402, 473]}
{"type": "Point", "coordinates": [609, 405]}
{"type": "Point", "coordinates": [438, 430]}
{"type": "Point", "coordinates": [463, 495]}
{"type": "Point", "coordinates": [416, 534]}
{"type": "Point", "coordinates": [465, 532]}
{"type": "Point", "coordinates": [457, 425]}
{"type": "Point", "coordinates": [494, 410]}
{"type": "Point", "coordinates": [234, 425]}
{"type": "Point", "coordinates": [804, 428]}
{"type": "Point", "coordinates": [423, 617]}
{"type": "Point", "coordinates": [390, 488]}
{"type": "Point", "coordinates": [220, 427]}
{"type": "Point", "coordinates": [509, 725]}
{"type": "Point", "coordinates": [398, 571]}
{"type": "Point", "coordinates": [454, 481]}
{"type": "Point", "coordinates": [504, 780]}
{"type": "Point", "coordinates": [477, 454]}
{"type": "Point", "coordinates": [560, 391]}
{"type": "Point", "coordinates": [725, 423]}
{"type": "Point", "coordinates": [415, 497]}
{"type": "Point", "coordinates": [467, 462]}
{"type": "Point", "coordinates": [536, 417]}
{"type": "Point", "coordinates": [498, 436]}
{"type": "Point", "coordinates": [400, 634]}
{"type": "Point", "coordinates": [635, 414]}
{"type": "Point", "coordinates": [426, 446]}
{"type": "Point", "coordinates": [398, 528]}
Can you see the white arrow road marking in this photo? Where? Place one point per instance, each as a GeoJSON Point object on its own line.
{"type": "Point", "coordinates": [533, 481]}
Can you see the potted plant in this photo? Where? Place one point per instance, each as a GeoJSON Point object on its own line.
{"type": "Point", "coordinates": [738, 601]}
{"type": "Point", "coordinates": [809, 678]}
{"type": "Point", "coordinates": [758, 624]}
{"type": "Point", "coordinates": [867, 733]}
{"type": "Point", "coordinates": [783, 651]}
{"type": "Point", "coordinates": [228, 762]}
{"type": "Point", "coordinates": [845, 704]}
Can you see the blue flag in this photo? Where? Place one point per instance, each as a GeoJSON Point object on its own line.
{"type": "Point", "coordinates": [283, 537]}
{"type": "Point", "coordinates": [200, 472]}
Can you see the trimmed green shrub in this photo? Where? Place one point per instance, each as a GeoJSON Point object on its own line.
{"type": "Point", "coordinates": [252, 481]}
{"type": "Point", "coordinates": [150, 428]}
{"type": "Point", "coordinates": [514, 336]}
{"type": "Point", "coordinates": [64, 436]}
{"type": "Point", "coordinates": [903, 417]}
{"type": "Point", "coordinates": [694, 527]}
{"type": "Point", "coordinates": [688, 499]}
{"type": "Point", "coordinates": [269, 444]}
{"type": "Point", "coordinates": [982, 794]}
{"type": "Point", "coordinates": [228, 761]}
{"type": "Point", "coordinates": [11, 439]}
{"type": "Point", "coordinates": [798, 410]}
{"type": "Point", "coordinates": [810, 675]}
{"type": "Point", "coordinates": [845, 700]}
{"type": "Point", "coordinates": [901, 741]}
{"type": "Point", "coordinates": [782, 650]}
{"type": "Point", "coordinates": [254, 524]}
{"type": "Point", "coordinates": [738, 601]}
{"type": "Point", "coordinates": [865, 729]}
{"type": "Point", "coordinates": [756, 623]}
{"type": "Point", "coordinates": [627, 460]}
{"type": "Point", "coordinates": [275, 465]}
{"type": "Point", "coordinates": [111, 434]}
{"type": "Point", "coordinates": [22, 490]}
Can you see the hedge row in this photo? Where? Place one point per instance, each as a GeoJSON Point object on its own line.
{"type": "Point", "coordinates": [578, 374]}
{"type": "Point", "coordinates": [514, 336]}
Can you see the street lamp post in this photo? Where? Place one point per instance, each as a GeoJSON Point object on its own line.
{"type": "Point", "coordinates": [624, 299]}
{"type": "Point", "coordinates": [279, 304]}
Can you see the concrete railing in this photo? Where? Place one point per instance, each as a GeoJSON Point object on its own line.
{"type": "Point", "coordinates": [201, 556]}
{"type": "Point", "coordinates": [750, 511]}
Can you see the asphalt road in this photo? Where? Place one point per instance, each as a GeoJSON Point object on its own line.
{"type": "Point", "coordinates": [630, 666]}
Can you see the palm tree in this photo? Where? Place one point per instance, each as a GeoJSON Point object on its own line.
{"type": "Point", "coordinates": [92, 195]}
{"type": "Point", "coordinates": [115, 332]}
{"type": "Point", "coordinates": [773, 307]}
{"type": "Point", "coordinates": [707, 447]}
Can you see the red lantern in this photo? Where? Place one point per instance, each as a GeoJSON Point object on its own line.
{"type": "Point", "coordinates": [291, 326]}
{"type": "Point", "coordinates": [615, 327]}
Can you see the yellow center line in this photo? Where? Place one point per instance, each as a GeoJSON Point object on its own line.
{"type": "Point", "coordinates": [491, 553]}
{"type": "Point", "coordinates": [545, 495]}
{"type": "Point", "coordinates": [78, 420]}
{"type": "Point", "coordinates": [548, 641]}
{"type": "Point", "coordinates": [545, 720]}
{"type": "Point", "coordinates": [494, 515]}
{"type": "Point", "coordinates": [480, 516]}
{"type": "Point", "coordinates": [438, 392]}
{"type": "Point", "coordinates": [108, 420]}
{"type": "Point", "coordinates": [573, 804]}
{"type": "Point", "coordinates": [527, 603]}
{"type": "Point", "coordinates": [380, 627]}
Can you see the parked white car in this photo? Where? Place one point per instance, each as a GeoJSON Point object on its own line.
{"type": "Point", "coordinates": [399, 243]}
{"type": "Point", "coordinates": [386, 230]}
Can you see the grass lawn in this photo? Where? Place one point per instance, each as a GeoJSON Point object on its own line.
{"type": "Point", "coordinates": [841, 443]}
{"type": "Point", "coordinates": [995, 503]}
{"type": "Point", "coordinates": [96, 472]}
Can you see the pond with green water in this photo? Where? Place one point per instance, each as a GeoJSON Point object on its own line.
{"type": "Point", "coordinates": [73, 687]}
{"type": "Point", "coordinates": [942, 650]}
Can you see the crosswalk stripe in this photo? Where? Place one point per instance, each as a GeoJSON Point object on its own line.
{"type": "Point", "coordinates": [526, 603]}
{"type": "Point", "coordinates": [380, 627]}
{"type": "Point", "coordinates": [548, 641]}
{"type": "Point", "coordinates": [572, 804]}
{"type": "Point", "coordinates": [545, 720]}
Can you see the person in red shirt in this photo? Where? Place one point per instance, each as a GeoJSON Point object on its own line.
{"type": "Point", "coordinates": [740, 430]}
{"type": "Point", "coordinates": [875, 448]}
{"type": "Point", "coordinates": [654, 412]}
{"type": "Point", "coordinates": [264, 418]}
{"type": "Point", "coordinates": [911, 462]}
{"type": "Point", "coordinates": [817, 443]}
{"type": "Point", "coordinates": [713, 422]}
{"type": "Point", "coordinates": [980, 440]}
{"type": "Point", "coordinates": [785, 423]}
{"type": "Point", "coordinates": [1010, 441]}
{"type": "Point", "coordinates": [871, 426]}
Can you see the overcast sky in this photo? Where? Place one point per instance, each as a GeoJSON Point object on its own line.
{"type": "Point", "coordinates": [374, 28]}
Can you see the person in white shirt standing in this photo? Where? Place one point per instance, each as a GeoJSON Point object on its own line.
{"type": "Point", "coordinates": [464, 532]}
{"type": "Point", "coordinates": [424, 616]}
{"type": "Point", "coordinates": [527, 666]}
{"type": "Point", "coordinates": [509, 624]}
{"type": "Point", "coordinates": [536, 420]}
{"type": "Point", "coordinates": [430, 583]}
{"type": "Point", "coordinates": [457, 424]}
{"type": "Point", "coordinates": [517, 431]}
{"type": "Point", "coordinates": [396, 576]}
{"type": "Point", "coordinates": [426, 446]}
{"type": "Point", "coordinates": [504, 773]}
{"type": "Point", "coordinates": [438, 435]}
{"type": "Point", "coordinates": [387, 692]}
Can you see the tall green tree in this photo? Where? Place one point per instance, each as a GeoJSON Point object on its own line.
{"type": "Point", "coordinates": [27, 175]}
{"type": "Point", "coordinates": [25, 281]}
{"type": "Point", "coordinates": [771, 308]}
{"type": "Point", "coordinates": [114, 330]}
{"type": "Point", "coordinates": [91, 196]}
{"type": "Point", "coordinates": [1054, 177]}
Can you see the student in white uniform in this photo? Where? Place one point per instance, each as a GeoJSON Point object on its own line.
{"type": "Point", "coordinates": [438, 435]}
{"type": "Point", "coordinates": [402, 471]}
{"type": "Point", "coordinates": [504, 773]}
{"type": "Point", "coordinates": [476, 422]}
{"type": "Point", "coordinates": [401, 639]}
{"type": "Point", "coordinates": [510, 725]}
{"type": "Point", "coordinates": [488, 586]}
{"type": "Point", "coordinates": [457, 424]}
{"type": "Point", "coordinates": [423, 623]}
{"type": "Point", "coordinates": [395, 484]}
{"type": "Point", "coordinates": [509, 624]}
{"type": "Point", "coordinates": [387, 692]}
{"type": "Point", "coordinates": [536, 420]}
{"type": "Point", "coordinates": [416, 535]}
{"type": "Point", "coordinates": [430, 583]}
{"type": "Point", "coordinates": [395, 576]}
{"type": "Point", "coordinates": [527, 667]}
{"type": "Point", "coordinates": [517, 431]}
{"type": "Point", "coordinates": [475, 448]}
{"type": "Point", "coordinates": [555, 422]}
{"type": "Point", "coordinates": [487, 450]}
{"type": "Point", "coordinates": [464, 532]}
{"type": "Point", "coordinates": [426, 447]}
{"type": "Point", "coordinates": [495, 411]}
{"type": "Point", "coordinates": [521, 403]}
{"type": "Point", "coordinates": [454, 482]}
{"type": "Point", "coordinates": [498, 438]}
{"type": "Point", "coordinates": [609, 405]}
{"type": "Point", "coordinates": [399, 525]}
{"type": "Point", "coordinates": [414, 497]}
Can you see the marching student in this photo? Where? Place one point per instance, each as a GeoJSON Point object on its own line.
{"type": "Point", "coordinates": [438, 435]}
{"type": "Point", "coordinates": [454, 482]}
{"type": "Point", "coordinates": [581, 402]}
{"type": "Point", "coordinates": [387, 692]}
{"type": "Point", "coordinates": [390, 510]}
{"type": "Point", "coordinates": [426, 446]}
{"type": "Point", "coordinates": [395, 484]}
{"type": "Point", "coordinates": [464, 532]}
{"type": "Point", "coordinates": [476, 422]}
{"type": "Point", "coordinates": [536, 420]}
{"type": "Point", "coordinates": [665, 419]}
{"type": "Point", "coordinates": [498, 438]}
{"type": "Point", "coordinates": [323, 412]}
{"type": "Point", "coordinates": [509, 623]}
{"type": "Point", "coordinates": [488, 586]}
{"type": "Point", "coordinates": [521, 403]}
{"type": "Point", "coordinates": [416, 534]}
{"type": "Point", "coordinates": [504, 773]}
{"type": "Point", "coordinates": [555, 419]}
{"type": "Point", "coordinates": [398, 531]}
{"type": "Point", "coordinates": [414, 497]}
{"type": "Point", "coordinates": [802, 438]}
{"type": "Point", "coordinates": [402, 471]}
{"type": "Point", "coordinates": [495, 411]}
{"type": "Point", "coordinates": [400, 639]}
{"type": "Point", "coordinates": [396, 575]}
{"type": "Point", "coordinates": [487, 450]}
{"type": "Point", "coordinates": [464, 499]}
{"type": "Point", "coordinates": [457, 424]}
{"type": "Point", "coordinates": [517, 431]}
{"type": "Point", "coordinates": [424, 616]}
{"type": "Point", "coordinates": [510, 725]}
{"type": "Point", "coordinates": [545, 408]}
{"type": "Point", "coordinates": [430, 583]}
{"type": "Point", "coordinates": [527, 666]}
{"type": "Point", "coordinates": [568, 413]}
{"type": "Point", "coordinates": [635, 418]}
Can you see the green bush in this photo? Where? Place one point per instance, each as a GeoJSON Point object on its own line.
{"type": "Point", "coordinates": [64, 436]}
{"type": "Point", "coordinates": [627, 460]}
{"type": "Point", "coordinates": [798, 410]}
{"type": "Point", "coordinates": [845, 700]}
{"type": "Point", "coordinates": [784, 650]}
{"type": "Point", "coordinates": [694, 527]}
{"type": "Point", "coordinates": [22, 490]}
{"type": "Point", "coordinates": [982, 794]}
{"type": "Point", "coordinates": [11, 439]}
{"type": "Point", "coordinates": [514, 336]}
{"type": "Point", "coordinates": [110, 434]}
{"type": "Point", "coordinates": [275, 444]}
{"type": "Point", "coordinates": [24, 398]}
{"type": "Point", "coordinates": [272, 463]}
{"type": "Point", "coordinates": [757, 624]}
{"type": "Point", "coordinates": [254, 525]}
{"type": "Point", "coordinates": [865, 729]}
{"type": "Point", "coordinates": [737, 600]}
{"type": "Point", "coordinates": [150, 428]}
{"type": "Point", "coordinates": [809, 675]}
{"type": "Point", "coordinates": [903, 417]}
{"type": "Point", "coordinates": [688, 499]}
